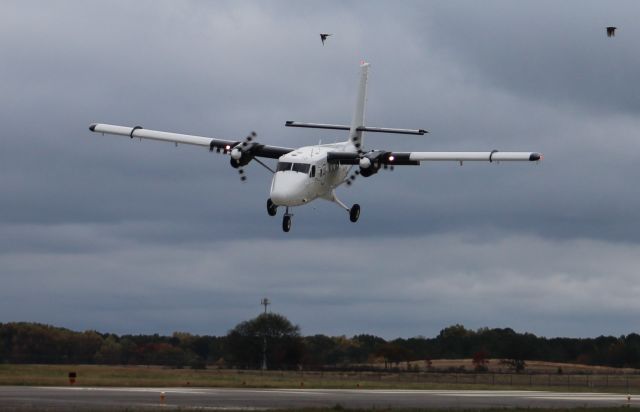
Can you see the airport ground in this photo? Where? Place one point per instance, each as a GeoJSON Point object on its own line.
{"type": "Point", "coordinates": [132, 388]}
{"type": "Point", "coordinates": [29, 398]}
{"type": "Point", "coordinates": [155, 376]}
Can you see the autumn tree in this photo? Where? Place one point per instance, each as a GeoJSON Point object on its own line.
{"type": "Point", "coordinates": [480, 361]}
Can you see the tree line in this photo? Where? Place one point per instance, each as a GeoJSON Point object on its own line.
{"type": "Point", "coordinates": [285, 348]}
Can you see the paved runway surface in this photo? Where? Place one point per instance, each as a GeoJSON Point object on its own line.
{"type": "Point", "coordinates": [64, 398]}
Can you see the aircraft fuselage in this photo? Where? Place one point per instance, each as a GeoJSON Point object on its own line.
{"type": "Point", "coordinates": [304, 175]}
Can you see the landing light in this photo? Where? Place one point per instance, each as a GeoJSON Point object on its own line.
{"type": "Point", "coordinates": [392, 158]}
{"type": "Point", "coordinates": [227, 147]}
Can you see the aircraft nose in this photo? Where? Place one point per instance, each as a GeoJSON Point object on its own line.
{"type": "Point", "coordinates": [287, 188]}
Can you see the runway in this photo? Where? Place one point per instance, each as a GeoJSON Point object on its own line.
{"type": "Point", "coordinates": [64, 398]}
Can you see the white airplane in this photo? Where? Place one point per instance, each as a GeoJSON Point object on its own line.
{"type": "Point", "coordinates": [308, 173]}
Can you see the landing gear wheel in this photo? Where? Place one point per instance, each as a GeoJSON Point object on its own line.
{"type": "Point", "coordinates": [354, 213]}
{"type": "Point", "coordinates": [272, 208]}
{"type": "Point", "coordinates": [286, 223]}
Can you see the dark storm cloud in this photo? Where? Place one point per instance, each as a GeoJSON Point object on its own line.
{"type": "Point", "coordinates": [412, 288]}
{"type": "Point", "coordinates": [81, 215]}
{"type": "Point", "coordinates": [557, 52]}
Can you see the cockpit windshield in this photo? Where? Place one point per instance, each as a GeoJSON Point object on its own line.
{"type": "Point", "coordinates": [301, 167]}
{"type": "Point", "coordinates": [296, 167]}
{"type": "Point", "coordinates": [282, 166]}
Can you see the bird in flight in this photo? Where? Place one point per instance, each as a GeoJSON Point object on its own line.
{"type": "Point", "coordinates": [323, 37]}
{"type": "Point", "coordinates": [611, 31]}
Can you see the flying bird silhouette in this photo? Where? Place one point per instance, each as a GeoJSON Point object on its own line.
{"type": "Point", "coordinates": [611, 31]}
{"type": "Point", "coordinates": [323, 37]}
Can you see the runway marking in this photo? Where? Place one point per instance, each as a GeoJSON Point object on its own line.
{"type": "Point", "coordinates": [190, 390]}
{"type": "Point", "coordinates": [326, 392]}
{"type": "Point", "coordinates": [234, 399]}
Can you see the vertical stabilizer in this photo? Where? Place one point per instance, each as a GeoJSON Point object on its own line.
{"type": "Point", "coordinates": [355, 135]}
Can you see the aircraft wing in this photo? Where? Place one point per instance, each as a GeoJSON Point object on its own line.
{"type": "Point", "coordinates": [492, 156]}
{"type": "Point", "coordinates": [220, 145]}
{"type": "Point", "coordinates": [380, 157]}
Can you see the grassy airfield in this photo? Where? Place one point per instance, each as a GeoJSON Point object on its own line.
{"type": "Point", "coordinates": [154, 376]}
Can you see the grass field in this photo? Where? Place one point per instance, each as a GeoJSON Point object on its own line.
{"type": "Point", "coordinates": [132, 376]}
{"type": "Point", "coordinates": [339, 408]}
{"type": "Point", "coordinates": [580, 409]}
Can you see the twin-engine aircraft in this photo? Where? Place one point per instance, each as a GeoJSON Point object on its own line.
{"type": "Point", "coordinates": [308, 173]}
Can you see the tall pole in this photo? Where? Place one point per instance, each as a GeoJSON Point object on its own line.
{"type": "Point", "coordinates": [265, 302]}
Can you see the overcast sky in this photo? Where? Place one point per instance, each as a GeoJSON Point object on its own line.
{"type": "Point", "coordinates": [125, 236]}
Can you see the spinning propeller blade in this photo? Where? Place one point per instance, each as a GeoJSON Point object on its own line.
{"type": "Point", "coordinates": [241, 154]}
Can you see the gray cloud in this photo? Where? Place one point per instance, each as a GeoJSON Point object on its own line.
{"type": "Point", "coordinates": [403, 287]}
{"type": "Point", "coordinates": [136, 236]}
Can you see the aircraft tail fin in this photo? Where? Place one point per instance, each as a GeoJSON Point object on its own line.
{"type": "Point", "coordinates": [357, 124]}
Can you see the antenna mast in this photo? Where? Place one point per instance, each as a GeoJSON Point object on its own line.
{"type": "Point", "coordinates": [264, 302]}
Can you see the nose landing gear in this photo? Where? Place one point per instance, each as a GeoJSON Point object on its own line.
{"type": "Point", "coordinates": [272, 209]}
{"type": "Point", "coordinates": [286, 221]}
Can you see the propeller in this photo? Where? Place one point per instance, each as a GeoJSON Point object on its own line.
{"type": "Point", "coordinates": [352, 178]}
{"type": "Point", "coordinates": [238, 152]}
{"type": "Point", "coordinates": [368, 164]}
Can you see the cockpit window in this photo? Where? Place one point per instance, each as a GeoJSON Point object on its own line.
{"type": "Point", "coordinates": [296, 167]}
{"type": "Point", "coordinates": [301, 167]}
{"type": "Point", "coordinates": [282, 166]}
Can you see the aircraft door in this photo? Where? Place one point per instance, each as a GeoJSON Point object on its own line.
{"type": "Point", "coordinates": [322, 173]}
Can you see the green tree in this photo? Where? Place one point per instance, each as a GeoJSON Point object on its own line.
{"type": "Point", "coordinates": [284, 347]}
{"type": "Point", "coordinates": [110, 351]}
{"type": "Point", "coordinates": [393, 354]}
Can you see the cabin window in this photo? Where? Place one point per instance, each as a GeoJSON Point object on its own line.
{"type": "Point", "coordinates": [283, 166]}
{"type": "Point", "coordinates": [312, 173]}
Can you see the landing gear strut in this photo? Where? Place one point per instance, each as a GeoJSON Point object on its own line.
{"type": "Point", "coordinates": [272, 208]}
{"type": "Point", "coordinates": [286, 221]}
{"type": "Point", "coordinates": [354, 211]}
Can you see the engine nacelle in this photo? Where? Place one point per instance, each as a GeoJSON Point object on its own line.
{"type": "Point", "coordinates": [369, 171]}
{"type": "Point", "coordinates": [365, 163]}
{"type": "Point", "coordinates": [242, 160]}
{"type": "Point", "coordinates": [371, 162]}
{"type": "Point", "coordinates": [242, 153]}
{"type": "Point", "coordinates": [236, 153]}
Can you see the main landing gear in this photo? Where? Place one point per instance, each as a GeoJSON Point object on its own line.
{"type": "Point", "coordinates": [272, 209]}
{"type": "Point", "coordinates": [354, 213]}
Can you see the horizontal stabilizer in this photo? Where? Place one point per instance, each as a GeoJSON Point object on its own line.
{"type": "Point", "coordinates": [420, 132]}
